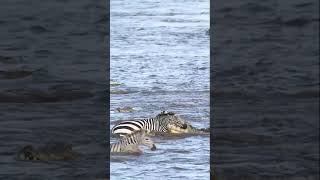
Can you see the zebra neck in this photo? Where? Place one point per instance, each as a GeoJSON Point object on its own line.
{"type": "Point", "coordinates": [131, 139]}
{"type": "Point", "coordinates": [151, 124]}
{"type": "Point", "coordinates": [120, 147]}
{"type": "Point", "coordinates": [115, 147]}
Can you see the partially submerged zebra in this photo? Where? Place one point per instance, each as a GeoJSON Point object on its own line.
{"type": "Point", "coordinates": [165, 122]}
{"type": "Point", "coordinates": [131, 142]}
{"type": "Point", "coordinates": [52, 151]}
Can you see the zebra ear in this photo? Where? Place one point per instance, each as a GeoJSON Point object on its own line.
{"type": "Point", "coordinates": [167, 113]}
{"type": "Point", "coordinates": [162, 113]}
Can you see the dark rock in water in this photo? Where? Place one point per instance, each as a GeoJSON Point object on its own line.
{"type": "Point", "coordinates": [125, 109]}
{"type": "Point", "coordinates": [49, 152]}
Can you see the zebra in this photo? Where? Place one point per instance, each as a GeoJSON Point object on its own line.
{"type": "Point", "coordinates": [130, 143]}
{"type": "Point", "coordinates": [52, 151]}
{"type": "Point", "coordinates": [163, 123]}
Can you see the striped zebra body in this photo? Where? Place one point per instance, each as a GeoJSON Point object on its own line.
{"type": "Point", "coordinates": [161, 123]}
{"type": "Point", "coordinates": [127, 127]}
{"type": "Point", "coordinates": [130, 143]}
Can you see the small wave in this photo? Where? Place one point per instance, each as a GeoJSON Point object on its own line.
{"type": "Point", "coordinates": [226, 9]}
{"type": "Point", "coordinates": [122, 91]}
{"type": "Point", "coordinates": [295, 22]}
{"type": "Point", "coordinates": [33, 95]}
{"type": "Point", "coordinates": [36, 29]}
{"type": "Point", "coordinates": [28, 18]}
{"type": "Point", "coordinates": [10, 60]}
{"type": "Point", "coordinates": [309, 93]}
{"type": "Point", "coordinates": [298, 22]}
{"type": "Point", "coordinates": [114, 83]}
{"type": "Point", "coordinates": [304, 4]}
{"type": "Point", "coordinates": [78, 33]}
{"type": "Point", "coordinates": [257, 8]}
{"type": "Point", "coordinates": [15, 74]}
{"type": "Point", "coordinates": [179, 168]}
{"type": "Point", "coordinates": [180, 20]}
{"type": "Point", "coordinates": [242, 138]}
{"type": "Point", "coordinates": [236, 94]}
{"type": "Point", "coordinates": [42, 53]}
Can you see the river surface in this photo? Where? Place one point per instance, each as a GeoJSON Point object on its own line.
{"type": "Point", "coordinates": [52, 86]}
{"type": "Point", "coordinates": [266, 89]}
{"type": "Point", "coordinates": [160, 55]}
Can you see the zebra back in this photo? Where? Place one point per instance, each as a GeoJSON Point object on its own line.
{"type": "Point", "coordinates": [128, 127]}
{"type": "Point", "coordinates": [161, 123]}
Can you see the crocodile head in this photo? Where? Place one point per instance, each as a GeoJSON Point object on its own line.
{"type": "Point", "coordinates": [177, 125]}
{"type": "Point", "coordinates": [188, 128]}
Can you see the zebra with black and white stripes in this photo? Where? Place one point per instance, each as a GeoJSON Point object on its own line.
{"type": "Point", "coordinates": [163, 123]}
{"type": "Point", "coordinates": [130, 143]}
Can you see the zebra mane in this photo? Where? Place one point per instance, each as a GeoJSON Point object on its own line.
{"type": "Point", "coordinates": [140, 133]}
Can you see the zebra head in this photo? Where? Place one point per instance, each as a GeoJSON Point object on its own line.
{"type": "Point", "coordinates": [147, 141]}
{"type": "Point", "coordinates": [174, 123]}
{"type": "Point", "coordinates": [28, 153]}
{"type": "Point", "coordinates": [140, 137]}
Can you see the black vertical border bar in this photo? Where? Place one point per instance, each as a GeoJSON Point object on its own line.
{"type": "Point", "coordinates": [16, 12]}
{"type": "Point", "coordinates": [107, 43]}
{"type": "Point", "coordinates": [287, 21]}
{"type": "Point", "coordinates": [211, 90]}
